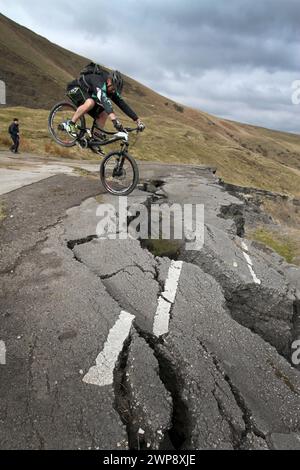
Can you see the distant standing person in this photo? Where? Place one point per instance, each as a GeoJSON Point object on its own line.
{"type": "Point", "coordinates": [15, 135]}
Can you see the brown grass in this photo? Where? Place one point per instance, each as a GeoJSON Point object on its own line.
{"type": "Point", "coordinates": [281, 244]}
{"type": "Point", "coordinates": [285, 237]}
{"type": "Point", "coordinates": [51, 148]}
{"type": "Point", "coordinates": [188, 137]}
{"type": "Point", "coordinates": [284, 212]}
{"type": "Point", "coordinates": [5, 141]}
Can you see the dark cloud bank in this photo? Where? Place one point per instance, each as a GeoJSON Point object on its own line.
{"type": "Point", "coordinates": [233, 58]}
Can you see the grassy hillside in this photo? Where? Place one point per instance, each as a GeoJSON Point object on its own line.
{"type": "Point", "coordinates": [36, 72]}
{"type": "Point", "coordinates": [34, 69]}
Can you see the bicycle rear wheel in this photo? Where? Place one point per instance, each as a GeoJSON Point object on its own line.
{"type": "Point", "coordinates": [119, 173]}
{"type": "Point", "coordinates": [60, 113]}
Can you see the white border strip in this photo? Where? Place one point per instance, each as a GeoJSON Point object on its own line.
{"type": "Point", "coordinates": [250, 263]}
{"type": "Point", "coordinates": [166, 299]}
{"type": "Point", "coordinates": [102, 373]}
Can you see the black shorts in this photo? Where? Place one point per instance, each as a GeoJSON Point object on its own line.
{"type": "Point", "coordinates": [78, 95]}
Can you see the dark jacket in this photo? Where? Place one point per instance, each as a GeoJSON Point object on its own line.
{"type": "Point", "coordinates": [13, 129]}
{"type": "Point", "coordinates": [95, 84]}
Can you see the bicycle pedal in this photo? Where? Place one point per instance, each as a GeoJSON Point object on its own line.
{"type": "Point", "coordinates": [98, 150]}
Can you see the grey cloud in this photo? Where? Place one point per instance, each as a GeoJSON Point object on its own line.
{"type": "Point", "coordinates": [235, 55]}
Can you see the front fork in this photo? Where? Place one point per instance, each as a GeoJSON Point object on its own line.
{"type": "Point", "coordinates": [124, 147]}
{"type": "Point", "coordinates": [120, 160]}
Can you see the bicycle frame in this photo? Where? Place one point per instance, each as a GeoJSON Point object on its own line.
{"type": "Point", "coordinates": [119, 172]}
{"type": "Point", "coordinates": [117, 136]}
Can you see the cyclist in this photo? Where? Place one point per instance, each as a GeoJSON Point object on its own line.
{"type": "Point", "coordinates": [97, 92]}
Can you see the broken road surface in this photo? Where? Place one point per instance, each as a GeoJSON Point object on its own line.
{"type": "Point", "coordinates": [108, 346]}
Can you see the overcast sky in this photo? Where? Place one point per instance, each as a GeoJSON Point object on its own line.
{"type": "Point", "coordinates": [233, 58]}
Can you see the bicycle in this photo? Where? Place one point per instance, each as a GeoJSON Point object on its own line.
{"type": "Point", "coordinates": [117, 167]}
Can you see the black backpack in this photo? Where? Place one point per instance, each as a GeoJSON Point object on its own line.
{"type": "Point", "coordinates": [92, 68]}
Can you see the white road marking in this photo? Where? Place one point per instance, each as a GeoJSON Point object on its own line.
{"type": "Point", "coordinates": [244, 246]}
{"type": "Point", "coordinates": [102, 373]}
{"type": "Point", "coordinates": [162, 316]}
{"type": "Point", "coordinates": [165, 301]}
{"type": "Point", "coordinates": [2, 353]}
{"type": "Point", "coordinates": [249, 262]}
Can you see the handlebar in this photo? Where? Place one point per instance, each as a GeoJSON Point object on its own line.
{"type": "Point", "coordinates": [131, 129]}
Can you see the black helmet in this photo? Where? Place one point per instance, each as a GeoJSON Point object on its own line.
{"type": "Point", "coordinates": [117, 80]}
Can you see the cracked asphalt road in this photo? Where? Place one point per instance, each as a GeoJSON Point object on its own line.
{"type": "Point", "coordinates": [221, 378]}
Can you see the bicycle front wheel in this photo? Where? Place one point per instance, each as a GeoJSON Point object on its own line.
{"type": "Point", "coordinates": [60, 113]}
{"type": "Point", "coordinates": [119, 173]}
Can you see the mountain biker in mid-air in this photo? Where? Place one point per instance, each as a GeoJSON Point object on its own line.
{"type": "Point", "coordinates": [96, 92]}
